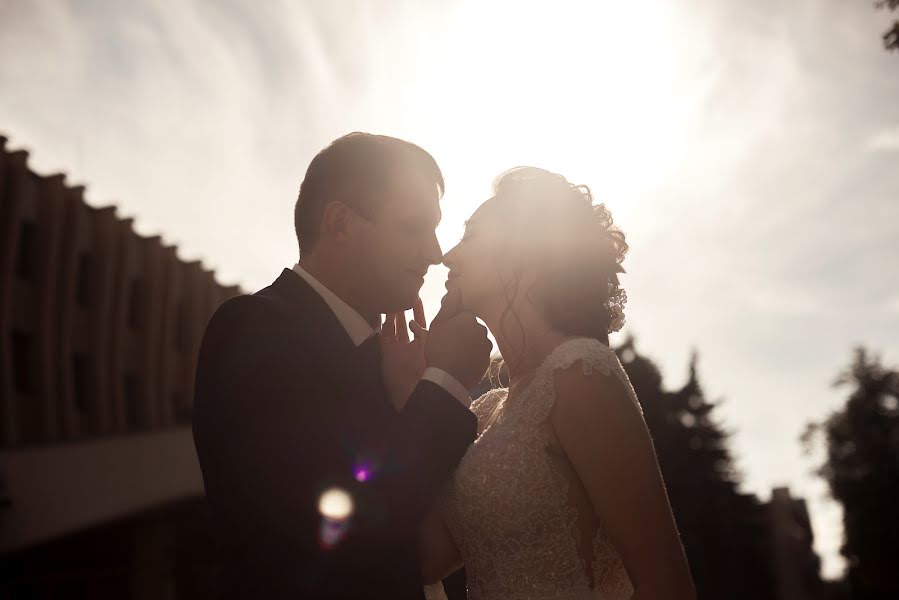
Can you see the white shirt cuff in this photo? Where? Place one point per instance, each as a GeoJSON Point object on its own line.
{"type": "Point", "coordinates": [448, 383]}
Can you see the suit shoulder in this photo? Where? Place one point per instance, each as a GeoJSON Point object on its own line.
{"type": "Point", "coordinates": [243, 306]}
{"type": "Point", "coordinates": [240, 311]}
{"type": "Point", "coordinates": [247, 317]}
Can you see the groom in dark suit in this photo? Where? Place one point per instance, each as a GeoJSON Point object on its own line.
{"type": "Point", "coordinates": [322, 437]}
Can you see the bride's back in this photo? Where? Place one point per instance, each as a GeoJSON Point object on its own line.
{"type": "Point", "coordinates": [523, 521]}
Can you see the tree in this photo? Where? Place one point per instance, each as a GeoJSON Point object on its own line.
{"type": "Point", "coordinates": [891, 37]}
{"type": "Point", "coordinates": [725, 533]}
{"type": "Point", "coordinates": [862, 471]}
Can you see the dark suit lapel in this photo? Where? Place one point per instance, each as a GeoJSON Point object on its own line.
{"type": "Point", "coordinates": [326, 334]}
{"type": "Point", "coordinates": [356, 370]}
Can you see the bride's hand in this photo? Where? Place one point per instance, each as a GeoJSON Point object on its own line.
{"type": "Point", "coordinates": [402, 359]}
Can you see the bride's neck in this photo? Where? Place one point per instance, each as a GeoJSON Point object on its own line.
{"type": "Point", "coordinates": [524, 339]}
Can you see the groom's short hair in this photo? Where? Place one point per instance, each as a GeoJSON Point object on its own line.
{"type": "Point", "coordinates": [356, 169]}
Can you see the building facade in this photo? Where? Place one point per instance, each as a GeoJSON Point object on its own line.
{"type": "Point", "coordinates": [797, 567]}
{"type": "Point", "coordinates": [99, 334]}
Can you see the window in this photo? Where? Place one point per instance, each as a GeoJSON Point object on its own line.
{"type": "Point", "coordinates": [22, 363]}
{"type": "Point", "coordinates": [132, 402]}
{"type": "Point", "coordinates": [181, 327]}
{"type": "Point", "coordinates": [135, 304]}
{"type": "Point", "coordinates": [26, 252]}
{"type": "Point", "coordinates": [85, 280]}
{"type": "Point", "coordinates": [183, 410]}
{"type": "Point", "coordinates": [80, 379]}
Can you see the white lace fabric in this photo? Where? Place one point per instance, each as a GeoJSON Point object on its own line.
{"type": "Point", "coordinates": [516, 510]}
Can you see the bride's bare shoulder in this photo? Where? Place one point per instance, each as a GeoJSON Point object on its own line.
{"type": "Point", "coordinates": [591, 392]}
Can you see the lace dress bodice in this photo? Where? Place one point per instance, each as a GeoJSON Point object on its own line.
{"type": "Point", "coordinates": [515, 507]}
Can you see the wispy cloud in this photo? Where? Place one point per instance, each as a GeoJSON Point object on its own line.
{"type": "Point", "coordinates": [886, 140]}
{"type": "Point", "coordinates": [732, 141]}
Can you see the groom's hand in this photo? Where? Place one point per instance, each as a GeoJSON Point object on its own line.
{"type": "Point", "coordinates": [457, 343]}
{"type": "Point", "coordinates": [402, 359]}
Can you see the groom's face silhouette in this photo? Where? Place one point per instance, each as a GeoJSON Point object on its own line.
{"type": "Point", "coordinates": [393, 247]}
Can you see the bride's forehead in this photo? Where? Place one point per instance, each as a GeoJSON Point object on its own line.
{"type": "Point", "coordinates": [485, 212]}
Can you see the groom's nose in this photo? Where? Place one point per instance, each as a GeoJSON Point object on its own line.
{"type": "Point", "coordinates": [433, 253]}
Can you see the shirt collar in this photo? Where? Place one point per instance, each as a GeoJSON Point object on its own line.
{"type": "Point", "coordinates": [353, 323]}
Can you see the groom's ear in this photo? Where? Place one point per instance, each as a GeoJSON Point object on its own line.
{"type": "Point", "coordinates": [335, 221]}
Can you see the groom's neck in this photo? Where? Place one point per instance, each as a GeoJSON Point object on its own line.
{"type": "Point", "coordinates": [343, 284]}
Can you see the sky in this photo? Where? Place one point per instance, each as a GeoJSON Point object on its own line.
{"type": "Point", "coordinates": [748, 150]}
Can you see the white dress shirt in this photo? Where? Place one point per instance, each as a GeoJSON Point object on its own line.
{"type": "Point", "coordinates": [360, 330]}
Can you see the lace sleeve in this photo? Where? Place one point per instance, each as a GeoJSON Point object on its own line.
{"type": "Point", "coordinates": [486, 404]}
{"type": "Point", "coordinates": [593, 356]}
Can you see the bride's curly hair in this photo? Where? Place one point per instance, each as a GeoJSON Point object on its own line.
{"type": "Point", "coordinates": [555, 226]}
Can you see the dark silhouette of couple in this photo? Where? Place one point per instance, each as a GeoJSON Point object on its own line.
{"type": "Point", "coordinates": [341, 452]}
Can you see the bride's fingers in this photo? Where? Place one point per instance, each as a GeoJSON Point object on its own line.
{"type": "Point", "coordinates": [449, 306]}
{"type": "Point", "coordinates": [418, 313]}
{"type": "Point", "coordinates": [402, 332]}
{"type": "Point", "coordinates": [420, 332]}
{"type": "Point", "coordinates": [388, 329]}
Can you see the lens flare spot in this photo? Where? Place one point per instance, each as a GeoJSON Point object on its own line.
{"type": "Point", "coordinates": [365, 469]}
{"type": "Point", "coordinates": [335, 504]}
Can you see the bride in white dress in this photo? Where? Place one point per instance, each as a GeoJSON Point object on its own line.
{"type": "Point", "coordinates": [561, 494]}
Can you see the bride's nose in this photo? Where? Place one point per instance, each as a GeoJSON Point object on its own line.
{"type": "Point", "coordinates": [450, 257]}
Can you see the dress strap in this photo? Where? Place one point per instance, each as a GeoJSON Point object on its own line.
{"type": "Point", "coordinates": [593, 356]}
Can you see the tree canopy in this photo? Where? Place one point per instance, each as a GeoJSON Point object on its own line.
{"type": "Point", "coordinates": [891, 37]}
{"type": "Point", "coordinates": [862, 471]}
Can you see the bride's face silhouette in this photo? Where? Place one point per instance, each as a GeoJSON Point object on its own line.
{"type": "Point", "coordinates": [475, 267]}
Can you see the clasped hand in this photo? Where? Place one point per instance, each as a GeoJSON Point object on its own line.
{"type": "Point", "coordinates": [456, 343]}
